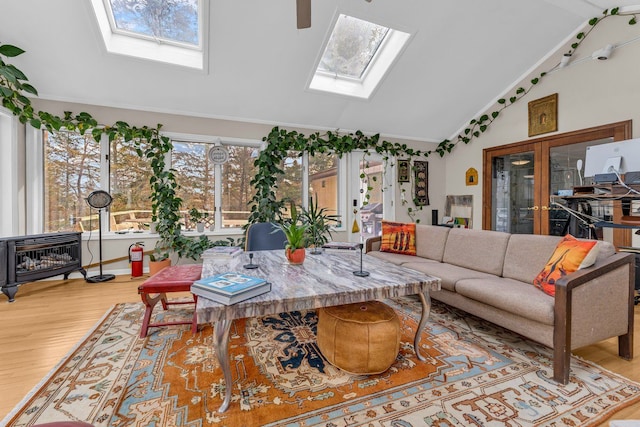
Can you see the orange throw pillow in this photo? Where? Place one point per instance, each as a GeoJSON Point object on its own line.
{"type": "Point", "coordinates": [569, 256]}
{"type": "Point", "coordinates": [398, 237]}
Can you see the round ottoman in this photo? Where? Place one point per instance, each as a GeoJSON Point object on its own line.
{"type": "Point", "coordinates": [360, 338]}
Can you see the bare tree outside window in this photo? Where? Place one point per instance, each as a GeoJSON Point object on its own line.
{"type": "Point", "coordinates": [72, 172]}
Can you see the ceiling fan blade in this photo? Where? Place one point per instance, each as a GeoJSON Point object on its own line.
{"type": "Point", "coordinates": [303, 12]}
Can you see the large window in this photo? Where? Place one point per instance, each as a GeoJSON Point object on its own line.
{"type": "Point", "coordinates": [74, 165]}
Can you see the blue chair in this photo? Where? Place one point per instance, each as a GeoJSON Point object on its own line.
{"type": "Point", "coordinates": [264, 236]}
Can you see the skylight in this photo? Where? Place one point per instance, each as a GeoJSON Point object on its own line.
{"type": "Point", "coordinates": [356, 57]}
{"type": "Point", "coordinates": [168, 21]}
{"type": "Point", "coordinates": [169, 31]}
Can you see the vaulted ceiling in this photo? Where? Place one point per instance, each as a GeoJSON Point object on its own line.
{"type": "Point", "coordinates": [462, 56]}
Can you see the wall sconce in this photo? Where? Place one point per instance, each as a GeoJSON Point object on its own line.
{"type": "Point", "coordinates": [604, 53]}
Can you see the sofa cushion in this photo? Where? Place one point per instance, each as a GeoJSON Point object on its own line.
{"type": "Point", "coordinates": [510, 295]}
{"type": "Point", "coordinates": [527, 254]}
{"type": "Point", "coordinates": [449, 274]}
{"type": "Point", "coordinates": [480, 250]}
{"type": "Point", "coordinates": [398, 237]}
{"type": "Point", "coordinates": [569, 256]}
{"type": "Point", "coordinates": [430, 241]}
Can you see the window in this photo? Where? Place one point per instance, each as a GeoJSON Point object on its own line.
{"type": "Point", "coordinates": [323, 181]}
{"type": "Point", "coordinates": [175, 21]}
{"type": "Point", "coordinates": [71, 173]}
{"type": "Point", "coordinates": [74, 165]}
{"type": "Point", "coordinates": [356, 57]}
{"type": "Point", "coordinates": [129, 186]}
{"type": "Point", "coordinates": [72, 170]}
{"type": "Point", "coordinates": [170, 31]}
{"type": "Point", "coordinates": [290, 184]}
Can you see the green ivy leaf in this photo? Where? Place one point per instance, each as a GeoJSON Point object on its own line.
{"type": "Point", "coordinates": [535, 81]}
{"type": "Point", "coordinates": [483, 128]}
{"type": "Point", "coordinates": [501, 101]}
{"type": "Point", "coordinates": [615, 10]}
{"type": "Point", "coordinates": [632, 21]}
{"type": "Point", "coordinates": [10, 50]}
{"type": "Point", "coordinates": [579, 36]}
{"type": "Point", "coordinates": [495, 114]}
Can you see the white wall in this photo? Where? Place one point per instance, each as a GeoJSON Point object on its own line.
{"type": "Point", "coordinates": [590, 93]}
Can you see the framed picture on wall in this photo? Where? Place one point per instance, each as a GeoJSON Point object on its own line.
{"type": "Point", "coordinates": [543, 115]}
{"type": "Point", "coordinates": [421, 183]}
{"type": "Point", "coordinates": [404, 168]}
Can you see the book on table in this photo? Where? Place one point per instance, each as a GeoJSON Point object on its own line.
{"type": "Point", "coordinates": [341, 246]}
{"type": "Point", "coordinates": [230, 288]}
{"type": "Point", "coordinates": [222, 252]}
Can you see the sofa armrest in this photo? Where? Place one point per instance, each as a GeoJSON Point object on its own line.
{"type": "Point", "coordinates": [586, 286]}
{"type": "Point", "coordinates": [373, 243]}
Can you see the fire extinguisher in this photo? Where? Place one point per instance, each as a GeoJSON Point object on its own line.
{"type": "Point", "coordinates": [135, 258]}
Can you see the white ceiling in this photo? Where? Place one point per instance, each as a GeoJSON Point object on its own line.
{"type": "Point", "coordinates": [463, 55]}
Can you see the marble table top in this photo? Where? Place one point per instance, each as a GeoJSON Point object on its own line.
{"type": "Point", "coordinates": [323, 280]}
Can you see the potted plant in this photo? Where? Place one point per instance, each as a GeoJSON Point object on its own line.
{"type": "Point", "coordinates": [197, 217]}
{"type": "Point", "coordinates": [296, 233]}
{"type": "Point", "coordinates": [319, 224]}
{"type": "Point", "coordinates": [158, 260]}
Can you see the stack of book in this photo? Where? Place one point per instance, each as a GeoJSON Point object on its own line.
{"type": "Point", "coordinates": [222, 252]}
{"type": "Point", "coordinates": [230, 288]}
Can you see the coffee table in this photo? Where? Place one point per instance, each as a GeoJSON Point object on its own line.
{"type": "Point", "coordinates": [323, 280]}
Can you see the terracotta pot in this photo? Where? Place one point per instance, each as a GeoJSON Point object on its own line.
{"type": "Point", "coordinates": [156, 266]}
{"type": "Point", "coordinates": [296, 256]}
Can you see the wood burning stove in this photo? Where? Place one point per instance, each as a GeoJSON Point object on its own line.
{"type": "Point", "coordinates": [30, 258]}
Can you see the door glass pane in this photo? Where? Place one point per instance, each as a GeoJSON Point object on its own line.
{"type": "Point", "coordinates": [130, 189]}
{"type": "Point", "coordinates": [290, 184]}
{"type": "Point", "coordinates": [512, 192]}
{"type": "Point", "coordinates": [195, 177]}
{"type": "Point", "coordinates": [71, 171]}
{"type": "Point", "coordinates": [566, 167]}
{"type": "Point", "coordinates": [237, 173]}
{"type": "Point", "coordinates": [371, 204]}
{"type": "Point", "coordinates": [323, 181]}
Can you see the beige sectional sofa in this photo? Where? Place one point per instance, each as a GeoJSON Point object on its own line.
{"type": "Point", "coordinates": [489, 274]}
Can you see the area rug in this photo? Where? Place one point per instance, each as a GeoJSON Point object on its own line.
{"type": "Point", "coordinates": [476, 374]}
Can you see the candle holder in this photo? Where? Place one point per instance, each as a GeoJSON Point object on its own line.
{"type": "Point", "coordinates": [361, 273]}
{"type": "Point", "coordinates": [251, 265]}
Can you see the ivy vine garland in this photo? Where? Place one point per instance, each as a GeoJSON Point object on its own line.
{"type": "Point", "coordinates": [264, 205]}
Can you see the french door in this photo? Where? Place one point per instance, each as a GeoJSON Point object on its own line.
{"type": "Point", "coordinates": [520, 179]}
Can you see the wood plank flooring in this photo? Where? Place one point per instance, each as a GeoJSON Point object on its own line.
{"type": "Point", "coordinates": [49, 318]}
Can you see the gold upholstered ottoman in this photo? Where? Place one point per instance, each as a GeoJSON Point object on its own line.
{"type": "Point", "coordinates": [360, 338]}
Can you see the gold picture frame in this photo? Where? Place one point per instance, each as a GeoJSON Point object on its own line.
{"type": "Point", "coordinates": [404, 170]}
{"type": "Point", "coordinates": [543, 115]}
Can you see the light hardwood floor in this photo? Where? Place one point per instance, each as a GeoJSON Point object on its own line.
{"type": "Point", "coordinates": [48, 319]}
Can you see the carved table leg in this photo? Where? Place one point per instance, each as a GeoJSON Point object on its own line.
{"type": "Point", "coordinates": [221, 332]}
{"type": "Point", "coordinates": [425, 299]}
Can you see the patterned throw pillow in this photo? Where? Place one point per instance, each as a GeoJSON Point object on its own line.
{"type": "Point", "coordinates": [569, 256]}
{"type": "Point", "coordinates": [398, 237]}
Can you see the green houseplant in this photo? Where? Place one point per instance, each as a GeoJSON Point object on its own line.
{"type": "Point", "coordinates": [296, 233]}
{"type": "Point", "coordinates": [197, 217]}
{"type": "Point", "coordinates": [319, 224]}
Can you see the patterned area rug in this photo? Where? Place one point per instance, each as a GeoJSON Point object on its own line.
{"type": "Point", "coordinates": [476, 374]}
